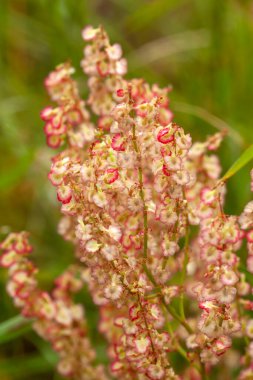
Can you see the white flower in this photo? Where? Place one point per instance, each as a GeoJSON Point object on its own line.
{"type": "Point", "coordinates": [89, 33]}
{"type": "Point", "coordinates": [181, 177]}
{"type": "Point", "coordinates": [83, 231]}
{"type": "Point", "coordinates": [135, 204]}
{"type": "Point", "coordinates": [114, 52]}
{"type": "Point", "coordinates": [114, 290]}
{"type": "Point", "coordinates": [168, 216]}
{"type": "Point", "coordinates": [197, 150]}
{"type": "Point", "coordinates": [63, 315]}
{"type": "Point", "coordinates": [109, 252]}
{"type": "Point", "coordinates": [87, 173]}
{"type": "Point", "coordinates": [99, 199]}
{"type": "Point", "coordinates": [155, 372]}
{"type": "Point", "coordinates": [229, 277]}
{"type": "Point", "coordinates": [142, 344]}
{"type": "Point", "coordinates": [114, 232]}
{"type": "Point", "coordinates": [169, 247]}
{"type": "Point", "coordinates": [173, 162]}
{"type": "Point", "coordinates": [227, 294]}
{"type": "Point", "coordinates": [92, 246]}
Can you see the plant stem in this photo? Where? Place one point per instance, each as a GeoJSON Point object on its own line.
{"type": "Point", "coordinates": [169, 308]}
{"type": "Point", "coordinates": [146, 325]}
{"type": "Point", "coordinates": [203, 371]}
{"type": "Point", "coordinates": [141, 192]}
{"type": "Point", "coordinates": [183, 275]}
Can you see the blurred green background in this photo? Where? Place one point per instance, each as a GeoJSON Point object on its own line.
{"type": "Point", "coordinates": [203, 48]}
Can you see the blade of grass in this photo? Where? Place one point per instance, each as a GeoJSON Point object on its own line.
{"type": "Point", "coordinates": [8, 337]}
{"type": "Point", "coordinates": [13, 328]}
{"type": "Point", "coordinates": [245, 158]}
{"type": "Point", "coordinates": [170, 45]}
{"type": "Point", "coordinates": [12, 324]}
{"type": "Point", "coordinates": [213, 120]}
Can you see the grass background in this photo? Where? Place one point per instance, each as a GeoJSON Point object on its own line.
{"type": "Point", "coordinates": [204, 49]}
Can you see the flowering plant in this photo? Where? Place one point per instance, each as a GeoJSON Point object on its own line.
{"type": "Point", "coordinates": [143, 207]}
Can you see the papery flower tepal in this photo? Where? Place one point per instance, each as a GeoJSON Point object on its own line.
{"type": "Point", "coordinates": [131, 185]}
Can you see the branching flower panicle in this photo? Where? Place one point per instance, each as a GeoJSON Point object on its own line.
{"type": "Point", "coordinates": [141, 205]}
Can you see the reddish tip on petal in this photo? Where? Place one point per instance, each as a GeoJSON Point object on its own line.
{"type": "Point", "coordinates": [53, 141]}
{"type": "Point", "coordinates": [103, 68]}
{"type": "Point", "coordinates": [64, 194]}
{"type": "Point", "coordinates": [120, 93]}
{"type": "Point", "coordinates": [111, 175]}
{"type": "Point", "coordinates": [46, 114]}
{"type": "Point", "coordinates": [118, 143]}
{"type": "Point", "coordinates": [164, 136]}
{"type": "Point", "coordinates": [166, 170]}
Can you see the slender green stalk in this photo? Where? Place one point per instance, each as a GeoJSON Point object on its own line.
{"type": "Point", "coordinates": [203, 372]}
{"type": "Point", "coordinates": [141, 192]}
{"type": "Point", "coordinates": [169, 308]}
{"type": "Point", "coordinates": [239, 311]}
{"type": "Point", "coordinates": [13, 324]}
{"type": "Point", "coordinates": [183, 275]}
{"type": "Point", "coordinates": [146, 325]}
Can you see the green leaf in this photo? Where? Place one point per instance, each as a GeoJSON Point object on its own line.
{"type": "Point", "coordinates": [246, 157]}
{"type": "Point", "coordinates": [9, 336]}
{"type": "Point", "coordinates": [45, 349]}
{"type": "Point", "coordinates": [12, 324]}
{"type": "Point", "coordinates": [13, 327]}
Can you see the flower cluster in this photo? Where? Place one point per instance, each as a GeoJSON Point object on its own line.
{"type": "Point", "coordinates": [143, 206]}
{"type": "Point", "coordinates": [56, 318]}
{"type": "Point", "coordinates": [69, 120]}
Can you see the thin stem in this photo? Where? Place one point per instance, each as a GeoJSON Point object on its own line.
{"type": "Point", "coordinates": [169, 308]}
{"type": "Point", "coordinates": [146, 325]}
{"type": "Point", "coordinates": [176, 316]}
{"type": "Point", "coordinates": [239, 311]}
{"type": "Point", "coordinates": [203, 371]}
{"type": "Point", "coordinates": [183, 275]}
{"type": "Point", "coordinates": [178, 346]}
{"type": "Point", "coordinates": [141, 192]}
{"type": "Point", "coordinates": [183, 353]}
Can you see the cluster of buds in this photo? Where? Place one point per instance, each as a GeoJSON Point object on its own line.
{"type": "Point", "coordinates": [55, 317]}
{"type": "Point", "coordinates": [131, 185]}
{"type": "Point", "coordinates": [219, 239]}
{"type": "Point", "coordinates": [70, 119]}
{"type": "Point", "coordinates": [246, 222]}
{"type": "Point", "coordinates": [139, 347]}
